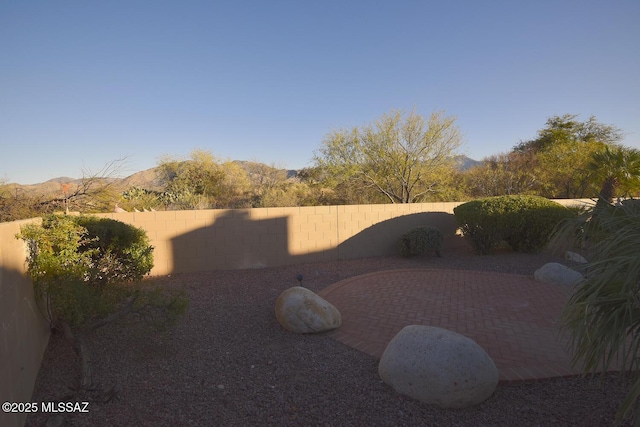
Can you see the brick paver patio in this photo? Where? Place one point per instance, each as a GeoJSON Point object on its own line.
{"type": "Point", "coordinates": [514, 318]}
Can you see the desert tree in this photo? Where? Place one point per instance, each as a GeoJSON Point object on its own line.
{"type": "Point", "coordinates": [271, 186]}
{"type": "Point", "coordinates": [503, 174]}
{"type": "Point", "coordinates": [15, 204]}
{"type": "Point", "coordinates": [234, 190]}
{"type": "Point", "coordinates": [567, 128]}
{"type": "Point", "coordinates": [87, 272]}
{"type": "Point", "coordinates": [314, 180]}
{"type": "Point", "coordinates": [94, 192]}
{"type": "Point", "coordinates": [564, 169]}
{"type": "Point", "coordinates": [562, 152]}
{"type": "Point", "coordinates": [203, 181]}
{"type": "Point", "coordinates": [400, 156]}
{"type": "Point", "coordinates": [192, 182]}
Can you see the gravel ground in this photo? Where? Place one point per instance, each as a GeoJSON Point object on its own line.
{"type": "Point", "coordinates": [229, 363]}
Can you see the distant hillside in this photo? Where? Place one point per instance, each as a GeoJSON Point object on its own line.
{"type": "Point", "coordinates": [150, 179]}
{"type": "Point", "coordinates": [463, 163]}
{"type": "Point", "coordinates": [250, 167]}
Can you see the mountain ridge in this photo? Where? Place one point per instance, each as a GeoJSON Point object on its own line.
{"type": "Point", "coordinates": [150, 180]}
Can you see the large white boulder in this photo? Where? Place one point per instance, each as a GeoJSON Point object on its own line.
{"type": "Point", "coordinates": [300, 310]}
{"type": "Point", "coordinates": [438, 367]}
{"type": "Point", "coordinates": [557, 274]}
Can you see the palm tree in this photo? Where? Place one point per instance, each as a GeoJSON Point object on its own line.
{"type": "Point", "coordinates": [615, 166]}
{"type": "Point", "coordinates": [603, 313]}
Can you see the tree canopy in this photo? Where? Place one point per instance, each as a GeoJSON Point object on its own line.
{"type": "Point", "coordinates": [559, 163]}
{"type": "Point", "coordinates": [203, 182]}
{"type": "Point", "coordinates": [566, 129]}
{"type": "Point", "coordinates": [402, 157]}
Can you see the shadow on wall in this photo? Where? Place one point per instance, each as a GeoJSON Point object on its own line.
{"type": "Point", "coordinates": [381, 238]}
{"type": "Point", "coordinates": [234, 241]}
{"type": "Point", "coordinates": [237, 241]}
{"type": "Point", "coordinates": [24, 336]}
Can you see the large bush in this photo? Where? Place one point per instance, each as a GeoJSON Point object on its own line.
{"type": "Point", "coordinates": [86, 273]}
{"type": "Point", "coordinates": [122, 251]}
{"type": "Point", "coordinates": [80, 265]}
{"type": "Point", "coordinates": [525, 223]}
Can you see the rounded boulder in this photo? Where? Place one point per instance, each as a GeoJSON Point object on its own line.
{"type": "Point", "coordinates": [438, 367]}
{"type": "Point", "coordinates": [557, 274]}
{"type": "Point", "coordinates": [300, 310]}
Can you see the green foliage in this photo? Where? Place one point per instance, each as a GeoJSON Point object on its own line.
{"type": "Point", "coordinates": [567, 129]}
{"type": "Point", "coordinates": [16, 204]}
{"type": "Point", "coordinates": [142, 198]}
{"type": "Point", "coordinates": [616, 167]}
{"type": "Point", "coordinates": [124, 252]}
{"type": "Point", "coordinates": [524, 222]}
{"type": "Point", "coordinates": [503, 174]}
{"type": "Point", "coordinates": [191, 184]}
{"type": "Point", "coordinates": [83, 267]}
{"type": "Point", "coordinates": [419, 241]}
{"type": "Point", "coordinates": [203, 182]}
{"type": "Point", "coordinates": [58, 269]}
{"type": "Point", "coordinates": [603, 314]}
{"type": "Point", "coordinates": [564, 171]}
{"type": "Point", "coordinates": [403, 159]}
{"type": "Point", "coordinates": [557, 161]}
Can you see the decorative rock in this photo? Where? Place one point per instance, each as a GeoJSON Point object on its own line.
{"type": "Point", "coordinates": [302, 311]}
{"type": "Point", "coordinates": [572, 256]}
{"type": "Point", "coordinates": [557, 274]}
{"type": "Point", "coordinates": [438, 367]}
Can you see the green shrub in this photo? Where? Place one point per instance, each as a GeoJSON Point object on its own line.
{"type": "Point", "coordinates": [525, 223]}
{"type": "Point", "coordinates": [420, 240]}
{"type": "Point", "coordinates": [86, 273]}
{"type": "Point", "coordinates": [123, 252]}
{"type": "Point", "coordinates": [80, 265]}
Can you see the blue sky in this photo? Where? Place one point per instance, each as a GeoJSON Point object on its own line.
{"type": "Point", "coordinates": [83, 83]}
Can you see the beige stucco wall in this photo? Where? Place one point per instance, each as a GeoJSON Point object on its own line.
{"type": "Point", "coordinates": [248, 238]}
{"type": "Point", "coordinates": [24, 333]}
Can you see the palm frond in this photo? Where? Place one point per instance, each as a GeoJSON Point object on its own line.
{"type": "Point", "coordinates": [603, 314]}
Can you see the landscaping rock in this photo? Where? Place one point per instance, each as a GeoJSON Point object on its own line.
{"type": "Point", "coordinates": [572, 256]}
{"type": "Point", "coordinates": [300, 310]}
{"type": "Point", "coordinates": [438, 367]}
{"type": "Point", "coordinates": [557, 274]}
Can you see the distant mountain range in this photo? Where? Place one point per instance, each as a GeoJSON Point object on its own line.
{"type": "Point", "coordinates": [150, 180]}
{"type": "Point", "coordinates": [463, 163]}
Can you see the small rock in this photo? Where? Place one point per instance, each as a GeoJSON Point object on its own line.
{"type": "Point", "coordinates": [557, 274]}
{"type": "Point", "coordinates": [572, 256]}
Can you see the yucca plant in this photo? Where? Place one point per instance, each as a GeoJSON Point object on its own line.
{"type": "Point", "coordinates": [603, 314]}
